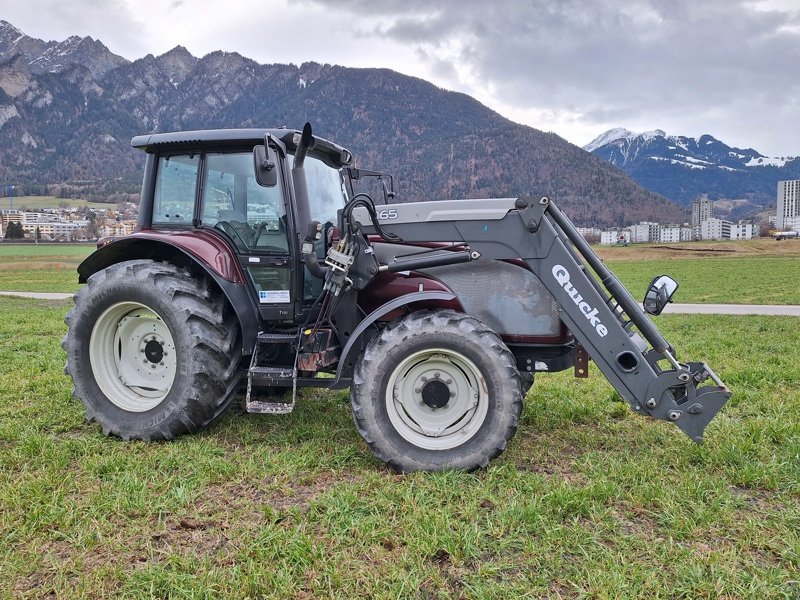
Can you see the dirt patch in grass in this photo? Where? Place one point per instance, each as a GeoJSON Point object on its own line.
{"type": "Point", "coordinates": [256, 504]}
{"type": "Point", "coordinates": [558, 463]}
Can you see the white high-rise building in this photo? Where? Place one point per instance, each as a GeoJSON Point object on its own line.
{"type": "Point", "coordinates": [702, 210]}
{"type": "Point", "coordinates": [788, 204]}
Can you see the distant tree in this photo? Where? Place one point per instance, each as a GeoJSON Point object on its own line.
{"type": "Point", "coordinates": [92, 230]}
{"type": "Point", "coordinates": [14, 231]}
{"type": "Point", "coordinates": [38, 234]}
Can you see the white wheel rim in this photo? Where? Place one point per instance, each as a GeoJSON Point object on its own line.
{"type": "Point", "coordinates": [427, 378]}
{"type": "Point", "coordinates": [132, 355]}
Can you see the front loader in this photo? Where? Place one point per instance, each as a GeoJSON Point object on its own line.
{"type": "Point", "coordinates": [260, 266]}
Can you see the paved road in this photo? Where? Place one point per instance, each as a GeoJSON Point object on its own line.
{"type": "Point", "coordinates": [38, 295]}
{"type": "Point", "coordinates": [686, 309]}
{"type": "Point", "coordinates": [734, 309]}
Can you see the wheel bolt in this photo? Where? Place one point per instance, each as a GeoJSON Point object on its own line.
{"type": "Point", "coordinates": [417, 390]}
{"type": "Point", "coordinates": [448, 381]}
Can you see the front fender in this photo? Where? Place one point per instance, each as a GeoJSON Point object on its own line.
{"type": "Point", "coordinates": [376, 314]}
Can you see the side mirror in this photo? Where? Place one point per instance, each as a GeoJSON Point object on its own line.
{"type": "Point", "coordinates": [265, 163]}
{"type": "Point", "coordinates": [659, 294]}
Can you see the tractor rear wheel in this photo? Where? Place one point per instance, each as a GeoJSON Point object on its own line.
{"type": "Point", "coordinates": [436, 390]}
{"type": "Point", "coordinates": [153, 352]}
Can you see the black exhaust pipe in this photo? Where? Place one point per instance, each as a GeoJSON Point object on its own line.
{"type": "Point", "coordinates": [299, 179]}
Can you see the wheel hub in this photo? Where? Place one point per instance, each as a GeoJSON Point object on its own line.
{"type": "Point", "coordinates": [154, 350]}
{"type": "Point", "coordinates": [436, 393]}
{"type": "Point", "coordinates": [133, 358]}
{"type": "Point", "coordinates": [437, 399]}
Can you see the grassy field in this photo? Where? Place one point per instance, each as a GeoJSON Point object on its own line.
{"type": "Point", "coordinates": [41, 267]}
{"type": "Point", "coordinates": [588, 501]}
{"type": "Point", "coordinates": [746, 280]}
{"type": "Point", "coordinates": [745, 272]}
{"type": "Point", "coordinates": [39, 202]}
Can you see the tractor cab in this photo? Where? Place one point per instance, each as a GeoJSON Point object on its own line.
{"type": "Point", "coordinates": [195, 181]}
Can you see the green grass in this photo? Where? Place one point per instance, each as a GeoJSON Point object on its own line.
{"type": "Point", "coordinates": [744, 280]}
{"type": "Point", "coordinates": [589, 500]}
{"type": "Point", "coordinates": [41, 267]}
{"type": "Point", "coordinates": [38, 202]}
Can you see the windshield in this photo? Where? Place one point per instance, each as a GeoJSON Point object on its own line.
{"type": "Point", "coordinates": [326, 191]}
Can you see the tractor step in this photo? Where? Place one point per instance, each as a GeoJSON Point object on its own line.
{"type": "Point", "coordinates": [269, 377]}
{"type": "Point", "coordinates": [264, 407]}
{"type": "Point", "coordinates": [276, 338]}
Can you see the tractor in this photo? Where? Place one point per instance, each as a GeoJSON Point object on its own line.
{"type": "Point", "coordinates": [260, 265]}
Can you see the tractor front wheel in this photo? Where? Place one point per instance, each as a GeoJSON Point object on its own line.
{"type": "Point", "coordinates": [153, 352]}
{"type": "Point", "coordinates": [436, 390]}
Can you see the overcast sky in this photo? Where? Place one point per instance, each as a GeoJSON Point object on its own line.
{"type": "Point", "coordinates": [730, 68]}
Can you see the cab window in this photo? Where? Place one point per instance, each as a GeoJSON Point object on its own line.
{"type": "Point", "coordinates": [176, 186]}
{"type": "Point", "coordinates": [253, 217]}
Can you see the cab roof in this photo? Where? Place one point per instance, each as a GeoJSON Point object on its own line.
{"type": "Point", "coordinates": [236, 139]}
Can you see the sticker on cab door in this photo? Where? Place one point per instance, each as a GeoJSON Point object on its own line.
{"type": "Point", "coordinates": [274, 296]}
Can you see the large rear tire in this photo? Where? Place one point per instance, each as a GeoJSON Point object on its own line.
{"type": "Point", "coordinates": [436, 390]}
{"type": "Point", "coordinates": [153, 352]}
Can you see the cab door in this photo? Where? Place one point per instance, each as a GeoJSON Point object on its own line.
{"type": "Point", "coordinates": [254, 220]}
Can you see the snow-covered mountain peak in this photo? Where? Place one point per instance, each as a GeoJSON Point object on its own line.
{"type": "Point", "coordinates": [612, 135]}
{"type": "Point", "coordinates": [681, 167]}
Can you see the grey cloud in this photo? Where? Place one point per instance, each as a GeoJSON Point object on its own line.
{"type": "Point", "coordinates": [110, 21]}
{"type": "Point", "coordinates": [608, 58]}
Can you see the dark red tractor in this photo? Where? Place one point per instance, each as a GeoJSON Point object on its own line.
{"type": "Point", "coordinates": [259, 265]}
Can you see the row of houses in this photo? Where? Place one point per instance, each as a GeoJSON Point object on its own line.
{"type": "Point", "coordinates": [64, 225]}
{"type": "Point", "coordinates": [709, 229]}
{"type": "Point", "coordinates": [704, 226]}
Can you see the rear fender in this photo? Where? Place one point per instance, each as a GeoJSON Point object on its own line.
{"type": "Point", "coordinates": [199, 252]}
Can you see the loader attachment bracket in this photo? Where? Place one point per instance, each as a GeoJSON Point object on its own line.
{"type": "Point", "coordinates": [673, 396]}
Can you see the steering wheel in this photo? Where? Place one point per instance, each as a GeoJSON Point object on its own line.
{"type": "Point", "coordinates": [230, 230]}
{"type": "Point", "coordinates": [265, 226]}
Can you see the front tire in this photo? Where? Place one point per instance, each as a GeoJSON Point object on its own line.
{"type": "Point", "coordinates": [436, 390]}
{"type": "Point", "coordinates": [153, 352]}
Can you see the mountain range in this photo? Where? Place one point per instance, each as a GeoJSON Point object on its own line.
{"type": "Point", "coordinates": [69, 109]}
{"type": "Point", "coordinates": [682, 168]}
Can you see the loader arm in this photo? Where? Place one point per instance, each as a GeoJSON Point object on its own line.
{"type": "Point", "coordinates": [604, 318]}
